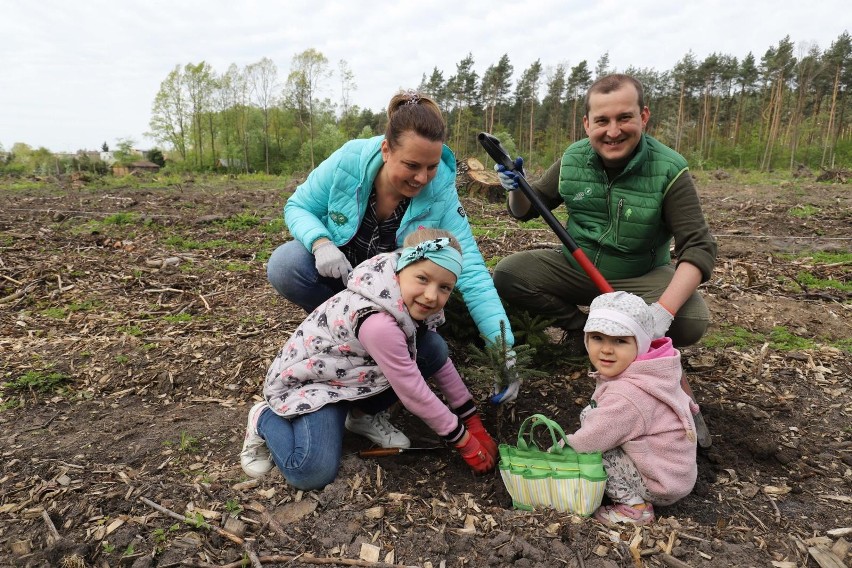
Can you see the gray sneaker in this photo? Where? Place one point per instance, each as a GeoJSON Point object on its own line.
{"type": "Point", "coordinates": [377, 427]}
{"type": "Point", "coordinates": [255, 458]}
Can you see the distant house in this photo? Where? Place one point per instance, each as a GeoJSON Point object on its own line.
{"type": "Point", "coordinates": [140, 167]}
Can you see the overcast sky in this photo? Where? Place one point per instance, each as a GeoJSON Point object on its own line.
{"type": "Point", "coordinates": [76, 74]}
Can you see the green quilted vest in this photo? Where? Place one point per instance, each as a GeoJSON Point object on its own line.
{"type": "Point", "coordinates": [618, 223]}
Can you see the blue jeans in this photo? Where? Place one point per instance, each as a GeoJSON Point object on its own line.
{"type": "Point", "coordinates": [307, 448]}
{"type": "Point", "coordinates": [292, 271]}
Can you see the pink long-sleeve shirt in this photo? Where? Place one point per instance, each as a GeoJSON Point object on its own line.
{"type": "Point", "coordinates": [385, 342]}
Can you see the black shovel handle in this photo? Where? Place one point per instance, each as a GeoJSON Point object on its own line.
{"type": "Point", "coordinates": [499, 155]}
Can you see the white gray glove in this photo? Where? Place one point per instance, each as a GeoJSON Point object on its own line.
{"type": "Point", "coordinates": [662, 319]}
{"type": "Point", "coordinates": [510, 376]}
{"type": "Point", "coordinates": [331, 262]}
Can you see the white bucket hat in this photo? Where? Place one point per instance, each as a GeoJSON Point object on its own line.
{"type": "Point", "coordinates": [622, 314]}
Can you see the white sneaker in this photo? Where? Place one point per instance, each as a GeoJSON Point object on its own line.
{"type": "Point", "coordinates": [377, 428]}
{"type": "Point", "coordinates": [255, 457]}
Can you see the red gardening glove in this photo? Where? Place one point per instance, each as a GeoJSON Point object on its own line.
{"type": "Point", "coordinates": [479, 460]}
{"type": "Point", "coordinates": [477, 430]}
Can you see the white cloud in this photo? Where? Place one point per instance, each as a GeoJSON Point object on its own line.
{"type": "Point", "coordinates": [77, 74]}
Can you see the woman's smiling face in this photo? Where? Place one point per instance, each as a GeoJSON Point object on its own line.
{"type": "Point", "coordinates": [411, 164]}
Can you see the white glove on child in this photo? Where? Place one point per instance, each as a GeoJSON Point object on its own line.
{"type": "Point", "coordinates": [331, 262]}
{"type": "Point", "coordinates": [662, 319]}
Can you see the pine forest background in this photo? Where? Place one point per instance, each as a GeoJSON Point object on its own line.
{"type": "Point", "coordinates": [789, 107]}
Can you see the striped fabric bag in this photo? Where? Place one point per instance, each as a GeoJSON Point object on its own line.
{"type": "Point", "coordinates": [558, 478]}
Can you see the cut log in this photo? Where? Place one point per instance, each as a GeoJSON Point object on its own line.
{"type": "Point", "coordinates": [485, 185]}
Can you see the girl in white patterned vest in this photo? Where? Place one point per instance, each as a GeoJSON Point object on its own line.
{"type": "Point", "coordinates": [353, 357]}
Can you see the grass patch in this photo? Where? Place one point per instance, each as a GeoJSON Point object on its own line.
{"type": "Point", "coordinates": [54, 313]}
{"type": "Point", "coordinates": [779, 339]}
{"type": "Point", "coordinates": [808, 281]}
{"type": "Point", "coordinates": [32, 382]}
{"type": "Point", "coordinates": [123, 218]}
{"type": "Point", "coordinates": [238, 267]}
{"type": "Point", "coordinates": [178, 318]}
{"type": "Point", "coordinates": [61, 312]}
{"type": "Point", "coordinates": [803, 211]}
{"type": "Point", "coordinates": [241, 222]}
{"type": "Point", "coordinates": [179, 242]}
{"type": "Point", "coordinates": [133, 330]}
{"type": "Point", "coordinates": [277, 227]}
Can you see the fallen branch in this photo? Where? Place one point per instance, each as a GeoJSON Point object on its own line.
{"type": "Point", "coordinates": [45, 425]}
{"type": "Point", "coordinates": [270, 520]}
{"type": "Point", "coordinates": [51, 528]}
{"type": "Point", "coordinates": [302, 559]}
{"type": "Point", "coordinates": [222, 532]}
{"type": "Point", "coordinates": [671, 561]}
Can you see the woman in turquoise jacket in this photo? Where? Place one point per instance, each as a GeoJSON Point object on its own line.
{"type": "Point", "coordinates": [363, 200]}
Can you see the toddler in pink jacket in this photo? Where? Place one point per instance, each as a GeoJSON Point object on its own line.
{"type": "Point", "coordinates": [639, 416]}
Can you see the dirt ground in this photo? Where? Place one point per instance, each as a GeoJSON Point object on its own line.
{"type": "Point", "coordinates": [159, 326]}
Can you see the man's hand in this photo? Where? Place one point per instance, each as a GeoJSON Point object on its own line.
{"type": "Point", "coordinates": [662, 319]}
{"type": "Point", "coordinates": [509, 179]}
{"type": "Point", "coordinates": [331, 262]}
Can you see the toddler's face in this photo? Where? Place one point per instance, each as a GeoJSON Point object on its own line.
{"type": "Point", "coordinates": [609, 354]}
{"type": "Point", "coordinates": [425, 288]}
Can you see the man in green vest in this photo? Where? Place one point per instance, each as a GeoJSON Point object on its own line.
{"type": "Point", "coordinates": [628, 196]}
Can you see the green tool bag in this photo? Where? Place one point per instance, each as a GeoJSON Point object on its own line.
{"type": "Point", "coordinates": [559, 478]}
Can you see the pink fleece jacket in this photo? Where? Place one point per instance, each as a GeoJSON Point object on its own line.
{"type": "Point", "coordinates": [645, 411]}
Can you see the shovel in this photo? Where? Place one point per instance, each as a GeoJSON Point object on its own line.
{"type": "Point", "coordinates": [383, 452]}
{"type": "Point", "coordinates": [499, 155]}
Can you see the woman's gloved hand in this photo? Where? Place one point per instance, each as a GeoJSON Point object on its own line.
{"type": "Point", "coordinates": [331, 262]}
{"type": "Point", "coordinates": [476, 429]}
{"type": "Point", "coordinates": [471, 451]}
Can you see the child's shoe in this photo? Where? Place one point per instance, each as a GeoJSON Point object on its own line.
{"type": "Point", "coordinates": [255, 458]}
{"type": "Point", "coordinates": [620, 513]}
{"type": "Point", "coordinates": [378, 429]}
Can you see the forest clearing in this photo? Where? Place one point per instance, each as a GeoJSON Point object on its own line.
{"type": "Point", "coordinates": [136, 326]}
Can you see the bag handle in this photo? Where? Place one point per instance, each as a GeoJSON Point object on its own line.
{"type": "Point", "coordinates": [529, 425]}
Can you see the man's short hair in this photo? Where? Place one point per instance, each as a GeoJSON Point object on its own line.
{"type": "Point", "coordinates": [613, 82]}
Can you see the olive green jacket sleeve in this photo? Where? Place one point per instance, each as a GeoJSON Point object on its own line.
{"type": "Point", "coordinates": [683, 216]}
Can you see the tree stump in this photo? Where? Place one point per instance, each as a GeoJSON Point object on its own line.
{"type": "Point", "coordinates": [479, 182]}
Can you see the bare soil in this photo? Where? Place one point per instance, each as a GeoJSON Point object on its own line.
{"type": "Point", "coordinates": [162, 325]}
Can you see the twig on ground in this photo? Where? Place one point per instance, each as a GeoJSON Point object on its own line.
{"type": "Point", "coordinates": [777, 511]}
{"type": "Point", "coordinates": [248, 545]}
{"type": "Point", "coordinates": [45, 425]}
{"type": "Point", "coordinates": [673, 562]}
{"type": "Point", "coordinates": [753, 516]}
{"type": "Point", "coordinates": [270, 520]}
{"type": "Point", "coordinates": [222, 532]}
{"type": "Point", "coordinates": [51, 528]}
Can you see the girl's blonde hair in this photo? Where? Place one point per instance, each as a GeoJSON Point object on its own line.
{"type": "Point", "coordinates": [423, 235]}
{"type": "Point", "coordinates": [409, 111]}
